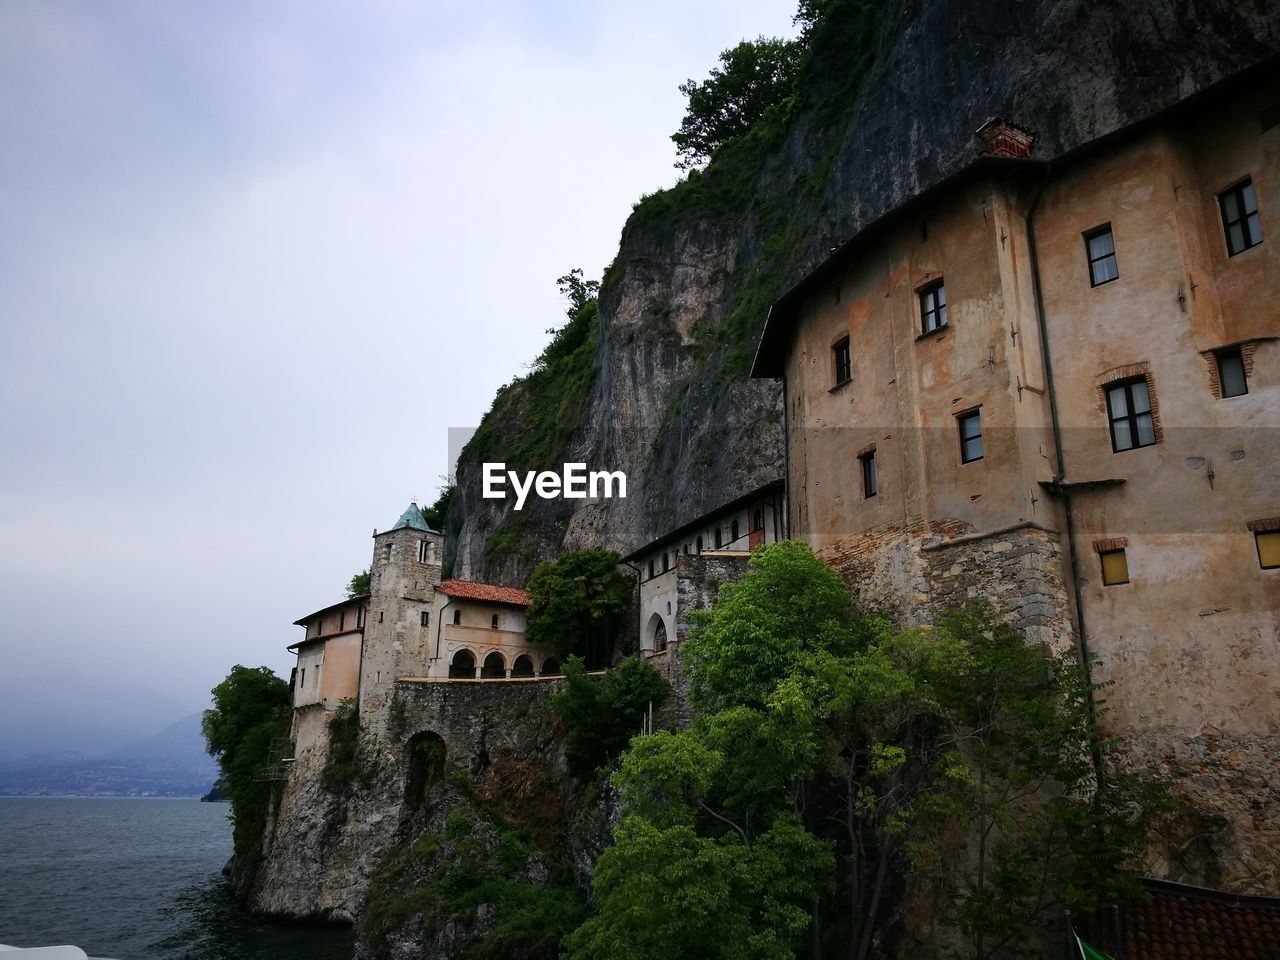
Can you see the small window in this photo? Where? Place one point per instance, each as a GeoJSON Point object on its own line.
{"type": "Point", "coordinates": [666, 561]}
{"type": "Point", "coordinates": [869, 482]}
{"type": "Point", "coordinates": [734, 532]}
{"type": "Point", "coordinates": [1231, 378]}
{"type": "Point", "coordinates": [933, 307]}
{"type": "Point", "coordinates": [1129, 410]}
{"type": "Point", "coordinates": [302, 678]}
{"type": "Point", "coordinates": [422, 551]}
{"type": "Point", "coordinates": [719, 540]}
{"type": "Point", "coordinates": [1101, 249]}
{"type": "Point", "coordinates": [1268, 544]}
{"type": "Point", "coordinates": [1115, 567]}
{"type": "Point", "coordinates": [698, 549]}
{"type": "Point", "coordinates": [653, 570]}
{"type": "Point", "coordinates": [840, 352]}
{"type": "Point", "coordinates": [425, 618]}
{"type": "Point", "coordinates": [360, 617]}
{"type": "Point", "coordinates": [380, 616]}
{"type": "Point", "coordinates": [494, 624]}
{"type": "Point", "coordinates": [457, 618]}
{"type": "Point", "coordinates": [1240, 218]}
{"type": "Point", "coordinates": [970, 436]}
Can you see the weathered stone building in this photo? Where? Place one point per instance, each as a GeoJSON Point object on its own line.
{"type": "Point", "coordinates": [1054, 382]}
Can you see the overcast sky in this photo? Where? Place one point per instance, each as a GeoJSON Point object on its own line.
{"type": "Point", "coordinates": [255, 259]}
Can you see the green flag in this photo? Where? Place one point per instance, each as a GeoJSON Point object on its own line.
{"type": "Point", "coordinates": [1091, 953]}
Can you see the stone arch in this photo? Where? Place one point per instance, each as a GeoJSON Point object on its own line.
{"type": "Point", "coordinates": [523, 666]}
{"type": "Point", "coordinates": [463, 665]}
{"type": "Point", "coordinates": [551, 667]}
{"type": "Point", "coordinates": [424, 761]}
{"type": "Point", "coordinates": [658, 635]}
{"type": "Point", "coordinates": [495, 667]}
{"type": "Point", "coordinates": [648, 637]}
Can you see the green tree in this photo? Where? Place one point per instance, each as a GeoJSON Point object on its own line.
{"type": "Point", "coordinates": [250, 708]}
{"type": "Point", "coordinates": [358, 585]}
{"type": "Point", "coordinates": [577, 604]}
{"type": "Point", "coordinates": [882, 748]}
{"type": "Point", "coordinates": [602, 713]}
{"type": "Point", "coordinates": [753, 77]}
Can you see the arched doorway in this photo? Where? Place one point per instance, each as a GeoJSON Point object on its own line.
{"type": "Point", "coordinates": [551, 667]}
{"type": "Point", "coordinates": [494, 667]}
{"type": "Point", "coordinates": [523, 667]}
{"type": "Point", "coordinates": [425, 761]}
{"type": "Point", "coordinates": [463, 665]}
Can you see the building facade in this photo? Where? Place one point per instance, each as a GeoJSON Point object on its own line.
{"type": "Point", "coordinates": [1056, 385]}
{"type": "Point", "coordinates": [328, 666]}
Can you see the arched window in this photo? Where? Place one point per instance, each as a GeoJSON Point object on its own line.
{"type": "Point", "coordinates": [719, 540]}
{"type": "Point", "coordinates": [551, 667]}
{"type": "Point", "coordinates": [494, 667]}
{"type": "Point", "coordinates": [660, 636]}
{"type": "Point", "coordinates": [652, 571]}
{"type": "Point", "coordinates": [463, 666]}
{"type": "Point", "coordinates": [457, 616]}
{"type": "Point", "coordinates": [495, 622]}
{"type": "Point", "coordinates": [523, 667]}
{"type": "Point", "coordinates": [734, 537]}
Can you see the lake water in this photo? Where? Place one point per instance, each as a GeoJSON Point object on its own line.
{"type": "Point", "coordinates": [135, 880]}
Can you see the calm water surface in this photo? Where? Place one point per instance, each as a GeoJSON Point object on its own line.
{"type": "Point", "coordinates": [135, 880]}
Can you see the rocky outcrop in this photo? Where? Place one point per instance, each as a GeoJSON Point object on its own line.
{"type": "Point", "coordinates": [332, 829]}
{"type": "Point", "coordinates": [890, 98]}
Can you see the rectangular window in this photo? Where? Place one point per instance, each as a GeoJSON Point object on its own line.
{"type": "Point", "coordinates": [933, 307]}
{"type": "Point", "coordinates": [495, 622]}
{"type": "Point", "coordinates": [425, 618]}
{"type": "Point", "coordinates": [869, 483]}
{"type": "Point", "coordinates": [1239, 208]}
{"type": "Point", "coordinates": [1268, 544]}
{"type": "Point", "coordinates": [1231, 379]}
{"type": "Point", "coordinates": [302, 678]}
{"type": "Point", "coordinates": [1101, 249]}
{"type": "Point", "coordinates": [970, 436]}
{"type": "Point", "coordinates": [1115, 567]}
{"type": "Point", "coordinates": [843, 364]}
{"type": "Point", "coordinates": [1129, 410]}
{"type": "Point", "coordinates": [359, 617]}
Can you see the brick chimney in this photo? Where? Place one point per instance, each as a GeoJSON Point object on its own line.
{"type": "Point", "coordinates": [1002, 137]}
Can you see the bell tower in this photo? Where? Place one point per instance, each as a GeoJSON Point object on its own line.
{"type": "Point", "coordinates": [403, 577]}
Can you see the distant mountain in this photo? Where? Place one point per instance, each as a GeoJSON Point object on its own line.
{"type": "Point", "coordinates": [72, 713]}
{"type": "Point", "coordinates": [171, 763]}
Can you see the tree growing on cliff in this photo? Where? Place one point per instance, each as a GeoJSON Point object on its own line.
{"type": "Point", "coordinates": [250, 708]}
{"type": "Point", "coordinates": [602, 713]}
{"type": "Point", "coordinates": [577, 605]}
{"type": "Point", "coordinates": [870, 752]}
{"type": "Point", "coordinates": [753, 77]}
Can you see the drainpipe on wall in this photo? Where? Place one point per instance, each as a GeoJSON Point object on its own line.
{"type": "Point", "coordinates": [786, 461]}
{"type": "Point", "coordinates": [1061, 471]}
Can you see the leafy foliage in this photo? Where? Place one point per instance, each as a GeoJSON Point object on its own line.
{"type": "Point", "coordinates": [577, 604]}
{"type": "Point", "coordinates": [358, 585]}
{"type": "Point", "coordinates": [250, 708]}
{"type": "Point", "coordinates": [467, 858]}
{"type": "Point", "coordinates": [754, 76]}
{"type": "Point", "coordinates": [342, 764]}
{"type": "Point", "coordinates": [435, 514]}
{"type": "Point", "coordinates": [602, 713]}
{"type": "Point", "coordinates": [866, 752]}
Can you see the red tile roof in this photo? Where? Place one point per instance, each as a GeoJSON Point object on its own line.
{"type": "Point", "coordinates": [1190, 923]}
{"type": "Point", "coordinates": [470, 590]}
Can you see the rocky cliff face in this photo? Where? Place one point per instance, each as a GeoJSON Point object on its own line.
{"type": "Point", "coordinates": [890, 97]}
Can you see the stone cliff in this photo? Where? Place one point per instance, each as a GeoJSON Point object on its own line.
{"type": "Point", "coordinates": [889, 99]}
